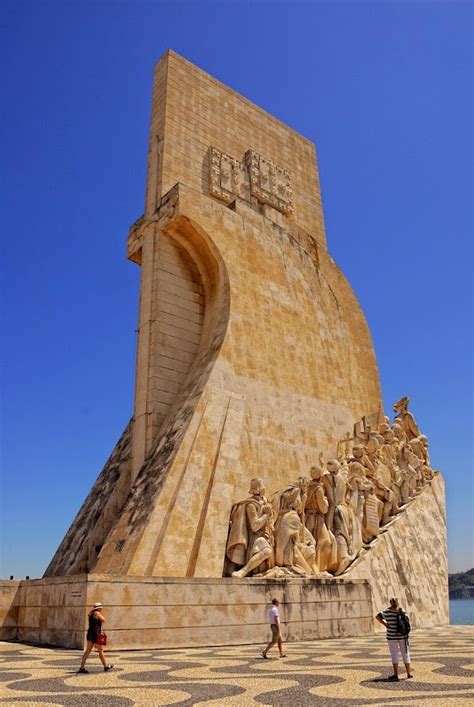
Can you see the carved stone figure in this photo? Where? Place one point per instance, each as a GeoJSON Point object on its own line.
{"type": "Point", "coordinates": [338, 517]}
{"type": "Point", "coordinates": [307, 547]}
{"type": "Point", "coordinates": [428, 470]}
{"type": "Point", "coordinates": [321, 524]}
{"type": "Point", "coordinates": [374, 452]}
{"type": "Point", "coordinates": [344, 469]}
{"type": "Point", "coordinates": [358, 486]}
{"type": "Point", "coordinates": [407, 462]}
{"type": "Point", "coordinates": [373, 507]}
{"type": "Point", "coordinates": [342, 531]}
{"type": "Point", "coordinates": [287, 509]}
{"type": "Point", "coordinates": [291, 545]}
{"type": "Point", "coordinates": [369, 463]}
{"type": "Point", "coordinates": [418, 464]}
{"type": "Point", "coordinates": [386, 498]}
{"type": "Point", "coordinates": [250, 540]}
{"type": "Point", "coordinates": [399, 433]}
{"type": "Point", "coordinates": [384, 425]}
{"type": "Point", "coordinates": [335, 487]}
{"type": "Point", "coordinates": [371, 519]}
{"type": "Point", "coordinates": [406, 418]}
{"type": "Point", "coordinates": [425, 443]}
{"type": "Point", "coordinates": [389, 455]}
{"type": "Point", "coordinates": [389, 448]}
{"type": "Point", "coordinates": [419, 445]}
{"type": "Point", "coordinates": [360, 455]}
{"type": "Point", "coordinates": [343, 447]}
{"type": "Point", "coordinates": [316, 507]}
{"type": "Point", "coordinates": [369, 457]}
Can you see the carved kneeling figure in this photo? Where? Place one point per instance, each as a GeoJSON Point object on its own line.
{"type": "Point", "coordinates": [250, 540]}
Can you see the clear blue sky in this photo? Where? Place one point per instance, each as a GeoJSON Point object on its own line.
{"type": "Point", "coordinates": [382, 88]}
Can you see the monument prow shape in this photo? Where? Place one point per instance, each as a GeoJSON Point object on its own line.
{"type": "Point", "coordinates": [253, 352]}
{"type": "Point", "coordinates": [253, 356]}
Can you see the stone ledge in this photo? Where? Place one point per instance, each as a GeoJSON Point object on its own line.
{"type": "Point", "coordinates": [155, 612]}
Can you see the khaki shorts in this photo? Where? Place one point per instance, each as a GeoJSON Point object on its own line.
{"type": "Point", "coordinates": [275, 632]}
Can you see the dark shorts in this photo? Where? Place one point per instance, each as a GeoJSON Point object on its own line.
{"type": "Point", "coordinates": [92, 637]}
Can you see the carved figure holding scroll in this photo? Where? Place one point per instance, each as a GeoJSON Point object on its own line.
{"type": "Point", "coordinates": [250, 539]}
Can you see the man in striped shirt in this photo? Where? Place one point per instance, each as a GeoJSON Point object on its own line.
{"type": "Point", "coordinates": [396, 640]}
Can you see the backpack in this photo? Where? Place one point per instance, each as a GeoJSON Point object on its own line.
{"type": "Point", "coordinates": [403, 623]}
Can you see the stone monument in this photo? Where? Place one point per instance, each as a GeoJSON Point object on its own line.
{"type": "Point", "coordinates": [254, 362]}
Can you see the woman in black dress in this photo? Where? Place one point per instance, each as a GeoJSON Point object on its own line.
{"type": "Point", "coordinates": [96, 619]}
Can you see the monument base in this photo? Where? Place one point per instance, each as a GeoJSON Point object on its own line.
{"type": "Point", "coordinates": [155, 612]}
{"type": "Point", "coordinates": [408, 560]}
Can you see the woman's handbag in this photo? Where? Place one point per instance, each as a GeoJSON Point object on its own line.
{"type": "Point", "coordinates": [102, 639]}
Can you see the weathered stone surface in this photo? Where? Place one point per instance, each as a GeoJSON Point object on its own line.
{"type": "Point", "coordinates": [8, 608]}
{"type": "Point", "coordinates": [323, 524]}
{"type": "Point", "coordinates": [253, 352]}
{"type": "Point", "coordinates": [50, 611]}
{"type": "Point", "coordinates": [192, 112]}
{"type": "Point", "coordinates": [154, 612]}
{"type": "Point", "coordinates": [281, 385]}
{"type": "Point", "coordinates": [410, 560]}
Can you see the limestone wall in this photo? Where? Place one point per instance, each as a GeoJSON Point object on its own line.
{"type": "Point", "coordinates": [192, 111]}
{"type": "Point", "coordinates": [291, 369]}
{"type": "Point", "coordinates": [177, 313]}
{"type": "Point", "coordinates": [52, 611]}
{"type": "Point", "coordinates": [151, 612]}
{"type": "Point", "coordinates": [410, 560]}
{"type": "Point", "coordinates": [9, 590]}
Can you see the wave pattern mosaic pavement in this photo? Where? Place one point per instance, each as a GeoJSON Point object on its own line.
{"type": "Point", "coordinates": [334, 672]}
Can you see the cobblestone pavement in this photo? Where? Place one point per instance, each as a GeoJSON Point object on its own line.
{"type": "Point", "coordinates": [350, 671]}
